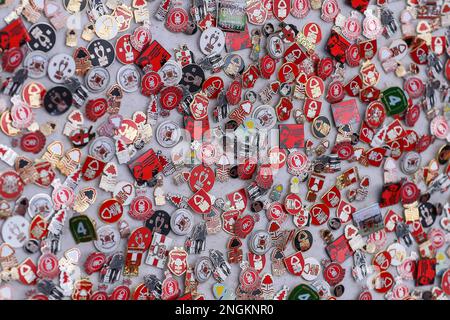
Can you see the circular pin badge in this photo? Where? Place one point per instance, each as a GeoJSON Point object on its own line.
{"type": "Point", "coordinates": [181, 222]}
{"type": "Point", "coordinates": [297, 163]}
{"type": "Point", "coordinates": [102, 53]}
{"type": "Point", "coordinates": [177, 19]}
{"type": "Point", "coordinates": [265, 117]}
{"type": "Point", "coordinates": [212, 41]}
{"type": "Point", "coordinates": [203, 269]}
{"type": "Point", "coordinates": [168, 134]}
{"type": "Point", "coordinates": [275, 46]}
{"type": "Point", "coordinates": [141, 37]}
{"type": "Point", "coordinates": [321, 127]}
{"type": "Point", "coordinates": [277, 157]}
{"type": "Point", "coordinates": [15, 231]}
{"type": "Point", "coordinates": [106, 27]}
{"type": "Point", "coordinates": [108, 239]}
{"type": "Point", "coordinates": [333, 273]}
{"type": "Point", "coordinates": [125, 52]}
{"type": "Point", "coordinates": [129, 78]}
{"type": "Point", "coordinates": [141, 208]}
{"type": "Point", "coordinates": [319, 214]}
{"type": "Point", "coordinates": [303, 240]}
{"type": "Point", "coordinates": [159, 222]}
{"type": "Point", "coordinates": [36, 63]}
{"type": "Point", "coordinates": [151, 83]}
{"type": "Point", "coordinates": [233, 65]}
{"type": "Point", "coordinates": [48, 266]}
{"type": "Point", "coordinates": [293, 204]}
{"type": "Point", "coordinates": [110, 211]}
{"type": "Point", "coordinates": [335, 92]}
{"type": "Point", "coordinates": [352, 27]}
{"type": "Point", "coordinates": [334, 224]}
{"type": "Point", "coordinates": [57, 100]}
{"type": "Point", "coordinates": [97, 79]}
{"type": "Point", "coordinates": [40, 204]}
{"type": "Point", "coordinates": [314, 87]}
{"type": "Point", "coordinates": [171, 74]}
{"type": "Point", "coordinates": [103, 148]}
{"type": "Point", "coordinates": [61, 67]}
{"type": "Point", "coordinates": [33, 94]}
{"type": "Point", "coordinates": [410, 162]}
{"type": "Point", "coordinates": [383, 282]}
{"type": "Point", "coordinates": [312, 269]}
{"type": "Point", "coordinates": [414, 87]}
{"type": "Point", "coordinates": [11, 185]}
{"type": "Point", "coordinates": [267, 66]}
{"type": "Point", "coordinates": [375, 114]}
{"type": "Point", "coordinates": [32, 142]}
{"type": "Point", "coordinates": [42, 37]}
{"type": "Point", "coordinates": [398, 253]}
{"type": "Point", "coordinates": [409, 192]}
{"type": "Point", "coordinates": [276, 212]}
{"type": "Point", "coordinates": [260, 242]}
{"type": "Point", "coordinates": [439, 127]}
{"type": "Point", "coordinates": [313, 32]}
{"type": "Point", "coordinates": [443, 155]}
{"type": "Point", "coordinates": [213, 86]}
{"type": "Point", "coordinates": [382, 260]}
{"type": "Point", "coordinates": [300, 8]}
{"type": "Point", "coordinates": [193, 77]}
{"type": "Point", "coordinates": [171, 97]}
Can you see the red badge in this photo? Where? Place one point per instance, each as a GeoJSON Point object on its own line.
{"type": "Point", "coordinates": [110, 211]}
{"type": "Point", "coordinates": [281, 9]}
{"type": "Point", "coordinates": [295, 263]}
{"type": "Point", "coordinates": [151, 83]}
{"type": "Point", "coordinates": [200, 202]}
{"type": "Point", "coordinates": [92, 168]}
{"type": "Point", "coordinates": [319, 214]}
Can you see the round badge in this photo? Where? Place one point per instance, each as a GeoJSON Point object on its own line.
{"type": "Point", "coordinates": [159, 222]}
{"type": "Point", "coordinates": [277, 158]}
{"type": "Point", "coordinates": [321, 127]}
{"type": "Point", "coordinates": [288, 72]}
{"type": "Point", "coordinates": [276, 212]}
{"type": "Point", "coordinates": [314, 87]}
{"type": "Point", "coordinates": [397, 252]}
{"type": "Point", "coordinates": [42, 37]}
{"type": "Point", "coordinates": [212, 41]}
{"type": "Point", "coordinates": [57, 100]}
{"type": "Point", "coordinates": [203, 269]}
{"type": "Point", "coordinates": [106, 27]}
{"type": "Point", "coordinates": [32, 142]}
{"type": "Point", "coordinates": [319, 214]}
{"type": "Point", "coordinates": [260, 242]}
{"type": "Point", "coordinates": [15, 231]}
{"type": "Point", "coordinates": [265, 117]}
{"type": "Point", "coordinates": [297, 163]}
{"type": "Point", "coordinates": [300, 8]}
{"type": "Point", "coordinates": [414, 87]}
{"type": "Point", "coordinates": [313, 32]}
{"type": "Point", "coordinates": [168, 134]}
{"type": "Point", "coordinates": [439, 127]}
{"type": "Point", "coordinates": [141, 37]}
{"type": "Point", "coordinates": [102, 53]}
{"type": "Point", "coordinates": [233, 65]}
{"type": "Point", "coordinates": [129, 78]}
{"type": "Point", "coordinates": [48, 266]}
{"type": "Point", "coordinates": [382, 260]}
{"type": "Point", "coordinates": [375, 114]}
{"type": "Point", "coordinates": [141, 208]}
{"type": "Point", "coordinates": [333, 273]}
{"type": "Point", "coordinates": [303, 240]}
{"type": "Point", "coordinates": [11, 185]}
{"type": "Point", "coordinates": [293, 204]}
{"type": "Point", "coordinates": [108, 239]}
{"type": "Point", "coordinates": [275, 46]}
{"type": "Point", "coordinates": [181, 222]}
{"type": "Point", "coordinates": [267, 66]}
{"type": "Point", "coordinates": [410, 162]}
{"type": "Point", "coordinates": [36, 63]}
{"type": "Point", "coordinates": [213, 86]}
{"type": "Point", "coordinates": [103, 148]}
{"type": "Point", "coordinates": [40, 204]}
{"type": "Point", "coordinates": [110, 211]}
{"type": "Point", "coordinates": [151, 83]}
{"type": "Point", "coordinates": [311, 270]}
{"type": "Point", "coordinates": [334, 223]}
{"type": "Point", "coordinates": [61, 67]}
{"type": "Point", "coordinates": [100, 296]}
{"type": "Point", "coordinates": [97, 79]}
{"type": "Point", "coordinates": [171, 97]}
{"type": "Point", "coordinates": [383, 282]}
{"type": "Point", "coordinates": [193, 77]}
{"type": "Point", "coordinates": [407, 268]}
{"type": "Point", "coordinates": [177, 19]}
{"type": "Point", "coordinates": [409, 192]}
{"type": "Point", "coordinates": [33, 94]}
{"type": "Point", "coordinates": [171, 74]}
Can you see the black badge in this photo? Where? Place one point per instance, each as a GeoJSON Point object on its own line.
{"type": "Point", "coordinates": [159, 222]}
{"type": "Point", "coordinates": [193, 77]}
{"type": "Point", "coordinates": [102, 53]}
{"type": "Point", "coordinates": [43, 37]}
{"type": "Point", "coordinates": [427, 213]}
{"type": "Point", "coordinates": [57, 100]}
{"type": "Point", "coordinates": [303, 240]}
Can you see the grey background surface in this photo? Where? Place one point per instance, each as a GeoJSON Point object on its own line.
{"type": "Point", "coordinates": [136, 102]}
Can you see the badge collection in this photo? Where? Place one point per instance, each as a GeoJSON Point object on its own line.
{"type": "Point", "coordinates": [103, 197]}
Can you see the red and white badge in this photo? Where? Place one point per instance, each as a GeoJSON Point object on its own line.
{"type": "Point", "coordinates": [151, 83]}
{"type": "Point", "coordinates": [333, 273]}
{"type": "Point", "coordinates": [311, 109]}
{"type": "Point", "coordinates": [238, 200]}
{"type": "Point", "coordinates": [277, 157]}
{"type": "Point", "coordinates": [330, 10]}
{"type": "Point", "coordinates": [293, 204]}
{"type": "Point", "coordinates": [382, 260]}
{"type": "Point", "coordinates": [295, 263]}
{"type": "Point", "coordinates": [300, 8]}
{"type": "Point", "coordinates": [267, 66]}
{"type": "Point", "coordinates": [281, 9]}
{"type": "Point", "coordinates": [414, 87]}
{"type": "Point", "coordinates": [199, 106]}
{"type": "Point", "coordinates": [368, 49]}
{"type": "Point", "coordinates": [375, 114]}
{"type": "Point", "coordinates": [229, 218]}
{"type": "Point", "coordinates": [234, 92]}
{"type": "Point", "coordinates": [314, 87]}
{"type": "Point", "coordinates": [319, 214]}
{"type": "Point", "coordinates": [170, 97]}
{"type": "Point", "coordinates": [244, 226]}
{"type": "Point", "coordinates": [383, 282]}
{"type": "Point", "coordinates": [354, 86]}
{"type": "Point", "coordinates": [213, 86]}
{"type": "Point", "coordinates": [345, 211]}
{"type": "Point", "coordinates": [332, 198]}
{"type": "Point", "coordinates": [96, 108]}
{"type": "Point", "coordinates": [335, 92]}
{"type": "Point", "coordinates": [390, 220]}
{"type": "Point", "coordinates": [288, 72]}
{"type": "Point", "coordinates": [177, 262]}
{"type": "Point", "coordinates": [353, 55]}
{"type": "Point", "coordinates": [256, 261]}
{"type": "Point", "coordinates": [439, 127]}
{"type": "Point", "coordinates": [141, 208]}
{"type": "Point", "coordinates": [48, 266]}
{"type": "Point", "coordinates": [125, 52]}
{"type": "Point", "coordinates": [120, 293]}
{"type": "Point", "coordinates": [201, 177]}
{"type": "Point", "coordinates": [110, 211]}
{"type": "Point", "coordinates": [276, 212]}
{"type": "Point", "coordinates": [200, 202]}
{"type": "Point", "coordinates": [313, 32]}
